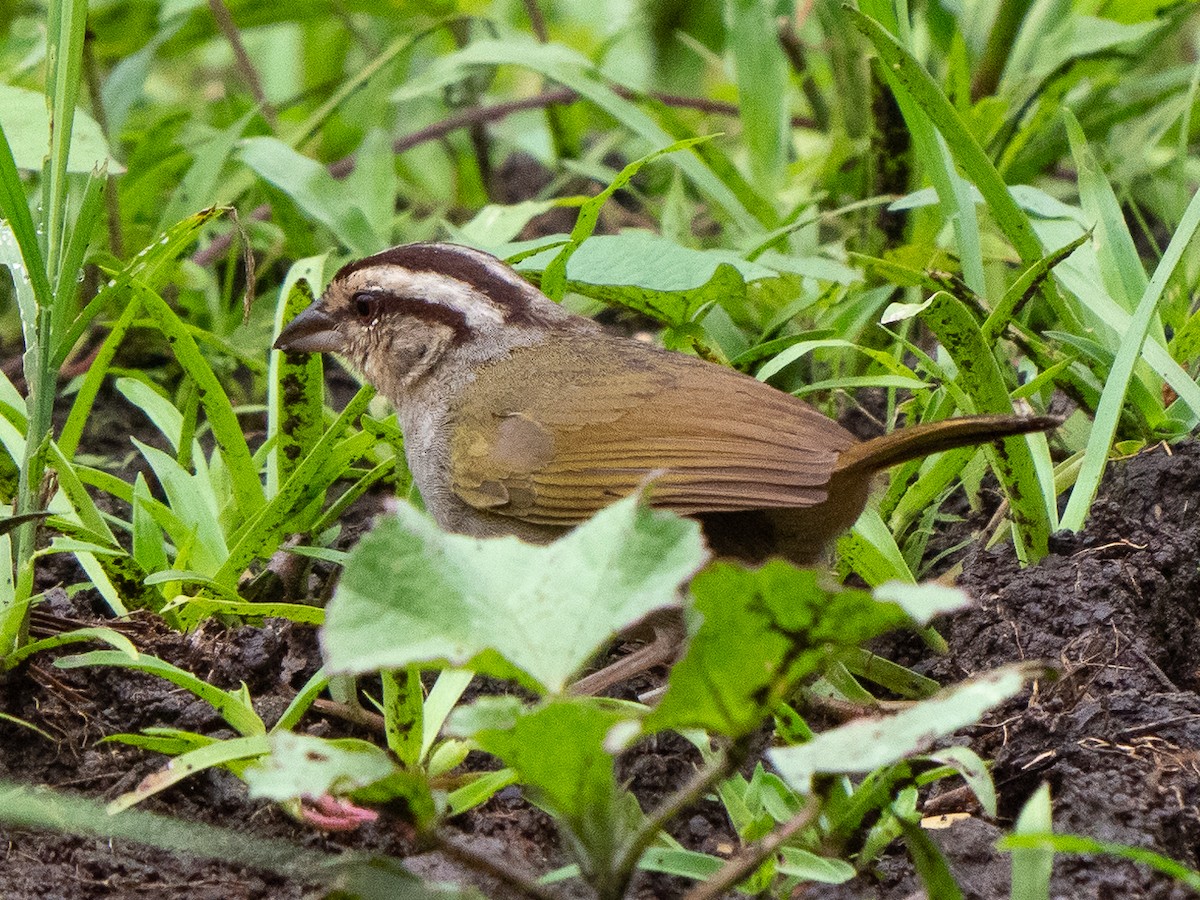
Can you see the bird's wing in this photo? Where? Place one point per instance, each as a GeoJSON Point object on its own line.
{"type": "Point", "coordinates": [555, 433]}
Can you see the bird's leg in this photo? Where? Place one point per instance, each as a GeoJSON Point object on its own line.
{"type": "Point", "coordinates": [665, 631]}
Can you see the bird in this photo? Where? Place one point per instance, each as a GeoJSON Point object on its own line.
{"type": "Point", "coordinates": [522, 418]}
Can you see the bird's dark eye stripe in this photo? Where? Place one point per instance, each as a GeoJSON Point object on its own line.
{"type": "Point", "coordinates": [487, 275]}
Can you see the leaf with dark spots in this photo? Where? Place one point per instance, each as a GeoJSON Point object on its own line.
{"type": "Point", "coordinates": [762, 631]}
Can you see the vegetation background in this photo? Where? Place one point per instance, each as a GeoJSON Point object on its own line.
{"type": "Point", "coordinates": [897, 211]}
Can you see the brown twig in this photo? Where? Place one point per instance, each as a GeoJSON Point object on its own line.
{"type": "Point", "coordinates": [753, 855]}
{"type": "Point", "coordinates": [229, 29]}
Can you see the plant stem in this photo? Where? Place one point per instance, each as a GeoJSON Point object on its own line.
{"type": "Point", "coordinates": [752, 856]}
{"type": "Point", "coordinates": [699, 784]}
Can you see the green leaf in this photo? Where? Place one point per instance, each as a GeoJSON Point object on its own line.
{"type": "Point", "coordinates": [403, 705]}
{"type": "Point", "coordinates": [234, 707]}
{"type": "Point", "coordinates": [1117, 385]}
{"type": "Point", "coordinates": [1074, 843]}
{"type": "Point", "coordinates": [296, 405]}
{"type": "Point", "coordinates": [158, 409]}
{"type": "Point", "coordinates": [302, 767]}
{"type": "Point", "coordinates": [26, 123]}
{"type": "Point", "coordinates": [227, 753]}
{"type": "Point", "coordinates": [314, 190]}
{"type": "Point", "coordinates": [557, 751]}
{"type": "Point", "coordinates": [328, 460]}
{"type": "Point", "coordinates": [231, 440]}
{"type": "Point", "coordinates": [149, 269]}
{"type": "Point", "coordinates": [1031, 499]}
{"type": "Point", "coordinates": [974, 771]}
{"type": "Point", "coordinates": [808, 866]}
{"type": "Point", "coordinates": [869, 744]}
{"type": "Point", "coordinates": [365, 876]}
{"type": "Point", "coordinates": [196, 508]}
{"type": "Point", "coordinates": [412, 594]}
{"type": "Point", "coordinates": [77, 635]}
{"type": "Point", "coordinates": [554, 278]}
{"type": "Point", "coordinates": [765, 629]}
{"type": "Point", "coordinates": [931, 865]}
{"type": "Point", "coordinates": [761, 72]}
{"type": "Point", "coordinates": [1032, 866]}
{"type": "Point", "coordinates": [653, 275]}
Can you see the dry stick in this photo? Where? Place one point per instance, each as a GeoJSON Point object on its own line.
{"type": "Point", "coordinates": [740, 866]}
{"type": "Point", "coordinates": [499, 870]}
{"type": "Point", "coordinates": [229, 28]}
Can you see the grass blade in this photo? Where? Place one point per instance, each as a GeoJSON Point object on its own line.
{"type": "Point", "coordinates": [1113, 397]}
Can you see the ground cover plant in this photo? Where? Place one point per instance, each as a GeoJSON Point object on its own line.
{"type": "Point", "coordinates": [239, 658]}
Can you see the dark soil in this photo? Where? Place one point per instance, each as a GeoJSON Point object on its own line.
{"type": "Point", "coordinates": [1117, 736]}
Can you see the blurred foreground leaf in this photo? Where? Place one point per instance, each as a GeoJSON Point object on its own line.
{"type": "Point", "coordinates": [414, 594]}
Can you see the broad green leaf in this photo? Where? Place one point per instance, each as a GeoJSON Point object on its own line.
{"type": "Point", "coordinates": [411, 593]}
{"type": "Point", "coordinates": [302, 766]}
{"type": "Point", "coordinates": [868, 744]}
{"type": "Point", "coordinates": [557, 751]}
{"type": "Point", "coordinates": [314, 190]}
{"type": "Point", "coordinates": [26, 124]}
{"type": "Point", "coordinates": [555, 276]}
{"type": "Point", "coordinates": [765, 629]}
{"type": "Point", "coordinates": [653, 275]}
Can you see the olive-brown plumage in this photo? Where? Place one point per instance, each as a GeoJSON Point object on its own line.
{"type": "Point", "coordinates": [521, 418]}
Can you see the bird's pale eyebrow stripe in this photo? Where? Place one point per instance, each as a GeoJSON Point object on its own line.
{"type": "Point", "coordinates": [490, 277]}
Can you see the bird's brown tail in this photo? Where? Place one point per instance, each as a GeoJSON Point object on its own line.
{"type": "Point", "coordinates": [916, 441]}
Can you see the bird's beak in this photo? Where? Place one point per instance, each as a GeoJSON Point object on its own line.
{"type": "Point", "coordinates": [313, 331]}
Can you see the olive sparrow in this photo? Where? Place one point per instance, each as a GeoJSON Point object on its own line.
{"type": "Point", "coordinates": [522, 418]}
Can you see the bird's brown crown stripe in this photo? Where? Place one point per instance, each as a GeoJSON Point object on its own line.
{"type": "Point", "coordinates": [487, 276]}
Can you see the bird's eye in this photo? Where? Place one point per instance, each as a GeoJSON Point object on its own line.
{"type": "Point", "coordinates": [366, 305]}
